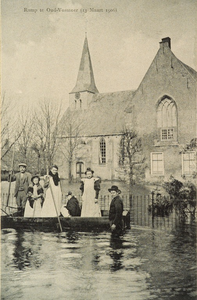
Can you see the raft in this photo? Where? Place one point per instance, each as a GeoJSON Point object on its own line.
{"type": "Point", "coordinates": [69, 223]}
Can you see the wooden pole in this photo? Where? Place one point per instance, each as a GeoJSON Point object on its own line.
{"type": "Point", "coordinates": [5, 212]}
{"type": "Point", "coordinates": [60, 225]}
{"type": "Point", "coordinates": [152, 193]}
{"type": "Point", "coordinates": [10, 179]}
{"type": "Point", "coordinates": [61, 192]}
{"type": "Point", "coordinates": [55, 207]}
{"type": "Point", "coordinates": [34, 206]}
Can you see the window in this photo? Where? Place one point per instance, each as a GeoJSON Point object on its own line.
{"type": "Point", "coordinates": [167, 134]}
{"type": "Point", "coordinates": [188, 163]}
{"type": "Point", "coordinates": [157, 163]}
{"type": "Point", "coordinates": [80, 101]}
{"type": "Point", "coordinates": [102, 156]}
{"type": "Point", "coordinates": [167, 119]}
{"type": "Point", "coordinates": [79, 169]}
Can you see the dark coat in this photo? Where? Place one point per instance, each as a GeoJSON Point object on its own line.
{"type": "Point", "coordinates": [40, 192]}
{"type": "Point", "coordinates": [25, 182]}
{"type": "Point", "coordinates": [73, 207]}
{"type": "Point", "coordinates": [39, 189]}
{"type": "Point", "coordinates": [115, 212]}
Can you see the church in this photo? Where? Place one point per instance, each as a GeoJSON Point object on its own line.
{"type": "Point", "coordinates": [162, 111]}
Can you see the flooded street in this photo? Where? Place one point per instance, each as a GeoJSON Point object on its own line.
{"type": "Point", "coordinates": [143, 264]}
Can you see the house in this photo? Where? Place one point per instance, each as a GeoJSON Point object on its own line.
{"type": "Point", "coordinates": [164, 114]}
{"type": "Point", "coordinates": [162, 111]}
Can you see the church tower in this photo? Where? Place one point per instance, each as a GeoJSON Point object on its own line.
{"type": "Point", "coordinates": [85, 88]}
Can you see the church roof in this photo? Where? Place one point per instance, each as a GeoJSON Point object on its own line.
{"type": "Point", "coordinates": [85, 79]}
{"type": "Point", "coordinates": [189, 69]}
{"type": "Point", "coordinates": [104, 116]}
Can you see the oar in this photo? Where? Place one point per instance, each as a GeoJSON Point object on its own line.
{"type": "Point", "coordinates": [55, 206]}
{"type": "Point", "coordinates": [10, 179]}
{"type": "Point", "coordinates": [61, 190]}
{"type": "Point", "coordinates": [34, 207]}
{"type": "Point", "coordinates": [35, 204]}
{"type": "Point", "coordinates": [5, 212]}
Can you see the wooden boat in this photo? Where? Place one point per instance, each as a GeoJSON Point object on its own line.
{"type": "Point", "coordinates": [51, 224]}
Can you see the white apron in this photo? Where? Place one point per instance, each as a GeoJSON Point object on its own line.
{"type": "Point", "coordinates": [89, 207]}
{"type": "Point", "coordinates": [34, 212]}
{"type": "Point", "coordinates": [48, 209]}
{"type": "Point", "coordinates": [64, 211]}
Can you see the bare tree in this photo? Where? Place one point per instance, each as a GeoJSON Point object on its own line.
{"type": "Point", "coordinates": [28, 132]}
{"type": "Point", "coordinates": [4, 121]}
{"type": "Point", "coordinates": [71, 130]}
{"type": "Point", "coordinates": [11, 131]}
{"type": "Point", "coordinates": [24, 144]}
{"type": "Point", "coordinates": [131, 157]}
{"type": "Point", "coordinates": [45, 142]}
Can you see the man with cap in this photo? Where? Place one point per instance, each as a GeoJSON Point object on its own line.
{"type": "Point", "coordinates": [115, 211]}
{"type": "Point", "coordinates": [23, 180]}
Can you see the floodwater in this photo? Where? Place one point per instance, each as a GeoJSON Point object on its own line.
{"type": "Point", "coordinates": [144, 264]}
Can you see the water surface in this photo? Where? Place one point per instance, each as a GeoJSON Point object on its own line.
{"type": "Point", "coordinates": [144, 264]}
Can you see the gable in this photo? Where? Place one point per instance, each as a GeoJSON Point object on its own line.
{"type": "Point", "coordinates": [166, 75]}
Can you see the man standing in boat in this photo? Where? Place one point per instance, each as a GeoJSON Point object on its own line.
{"type": "Point", "coordinates": [116, 210]}
{"type": "Point", "coordinates": [23, 180]}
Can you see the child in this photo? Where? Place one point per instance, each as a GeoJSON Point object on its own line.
{"type": "Point", "coordinates": [35, 198]}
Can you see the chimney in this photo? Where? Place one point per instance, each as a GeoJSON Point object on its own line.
{"type": "Point", "coordinates": [165, 42]}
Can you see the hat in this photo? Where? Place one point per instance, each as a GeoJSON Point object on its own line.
{"type": "Point", "coordinates": [89, 170]}
{"type": "Point", "coordinates": [35, 176]}
{"type": "Point", "coordinates": [114, 188]}
{"type": "Point", "coordinates": [54, 166]}
{"type": "Point", "coordinates": [22, 165]}
{"type": "Point", "coordinates": [69, 193]}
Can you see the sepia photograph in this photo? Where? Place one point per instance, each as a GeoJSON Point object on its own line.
{"type": "Point", "coordinates": [98, 149]}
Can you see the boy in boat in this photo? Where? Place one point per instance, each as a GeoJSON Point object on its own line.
{"type": "Point", "coordinates": [115, 211]}
{"type": "Point", "coordinates": [71, 208]}
{"type": "Point", "coordinates": [23, 180]}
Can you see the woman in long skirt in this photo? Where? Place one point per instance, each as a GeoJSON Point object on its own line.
{"type": "Point", "coordinates": [53, 196]}
{"type": "Point", "coordinates": [35, 198]}
{"type": "Point", "coordinates": [90, 187]}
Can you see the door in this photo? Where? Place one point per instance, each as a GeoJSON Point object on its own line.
{"type": "Point", "coordinates": [79, 169]}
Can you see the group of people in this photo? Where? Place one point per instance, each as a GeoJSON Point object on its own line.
{"type": "Point", "coordinates": [33, 199]}
{"type": "Point", "coordinates": [36, 200]}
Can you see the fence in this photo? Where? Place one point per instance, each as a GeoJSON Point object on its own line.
{"type": "Point", "coordinates": [140, 207]}
{"type": "Point", "coordinates": [12, 203]}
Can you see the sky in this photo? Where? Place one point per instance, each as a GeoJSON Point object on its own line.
{"type": "Point", "coordinates": [41, 47]}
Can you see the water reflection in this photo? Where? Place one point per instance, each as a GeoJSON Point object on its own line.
{"type": "Point", "coordinates": [116, 253]}
{"type": "Point", "coordinates": [142, 264]}
{"type": "Point", "coordinates": [21, 254]}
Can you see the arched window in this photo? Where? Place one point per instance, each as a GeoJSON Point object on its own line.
{"type": "Point", "coordinates": [75, 104]}
{"type": "Point", "coordinates": [80, 101]}
{"type": "Point", "coordinates": [167, 119]}
{"type": "Point", "coordinates": [79, 169]}
{"type": "Point", "coordinates": [102, 155]}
